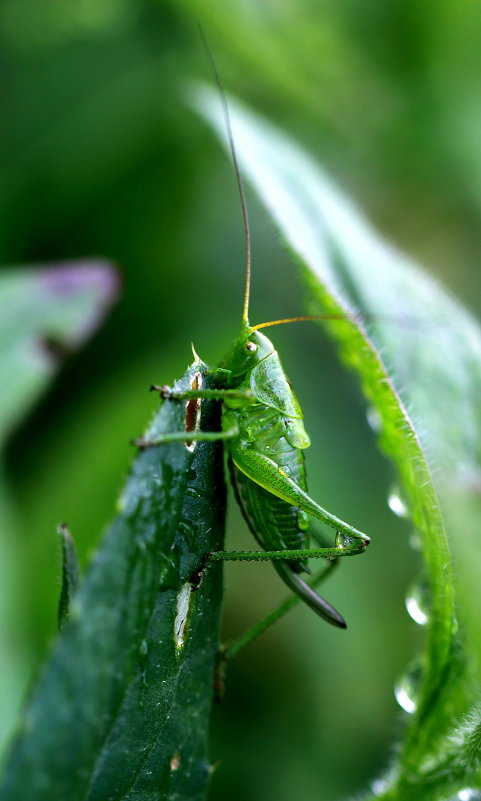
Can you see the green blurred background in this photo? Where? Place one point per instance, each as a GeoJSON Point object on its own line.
{"type": "Point", "coordinates": [100, 156]}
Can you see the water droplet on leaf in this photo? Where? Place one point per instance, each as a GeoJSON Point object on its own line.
{"type": "Point", "coordinates": [374, 419]}
{"type": "Point", "coordinates": [418, 602]}
{"type": "Point", "coordinates": [407, 688]}
{"type": "Point", "coordinates": [415, 541]}
{"type": "Point", "coordinates": [343, 540]}
{"type": "Point", "coordinates": [396, 503]}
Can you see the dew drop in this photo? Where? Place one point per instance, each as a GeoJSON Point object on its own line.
{"type": "Point", "coordinates": [396, 503]}
{"type": "Point", "coordinates": [406, 690]}
{"type": "Point", "coordinates": [374, 419]}
{"type": "Point", "coordinates": [404, 699]}
{"type": "Point", "coordinates": [346, 541]}
{"type": "Point", "coordinates": [144, 648]}
{"type": "Point", "coordinates": [418, 602]}
{"type": "Point", "coordinates": [415, 541]}
{"type": "Point", "coordinates": [343, 540]}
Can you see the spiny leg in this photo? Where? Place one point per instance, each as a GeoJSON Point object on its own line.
{"type": "Point", "coordinates": [168, 393]}
{"type": "Point", "coordinates": [356, 546]}
{"type": "Point", "coordinates": [306, 593]}
{"type": "Point", "coordinates": [265, 472]}
{"type": "Point", "coordinates": [185, 436]}
{"type": "Point", "coordinates": [344, 546]}
{"type": "Point", "coordinates": [231, 650]}
{"type": "Point", "coordinates": [281, 560]}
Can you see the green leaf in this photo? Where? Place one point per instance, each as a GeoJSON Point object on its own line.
{"type": "Point", "coordinates": [45, 313]}
{"type": "Point", "coordinates": [122, 707]}
{"type": "Point", "coordinates": [420, 370]}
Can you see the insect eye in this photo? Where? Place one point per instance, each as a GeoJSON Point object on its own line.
{"type": "Point", "coordinates": [251, 346]}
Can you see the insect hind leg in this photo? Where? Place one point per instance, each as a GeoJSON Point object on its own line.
{"type": "Point", "coordinates": [265, 472]}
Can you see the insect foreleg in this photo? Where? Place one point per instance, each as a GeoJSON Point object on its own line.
{"type": "Point", "coordinates": [186, 436]}
{"type": "Point", "coordinates": [168, 393]}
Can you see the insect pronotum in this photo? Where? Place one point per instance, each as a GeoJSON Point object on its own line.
{"type": "Point", "coordinates": [264, 435]}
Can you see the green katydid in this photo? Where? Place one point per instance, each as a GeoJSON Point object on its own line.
{"type": "Point", "coordinates": [264, 435]}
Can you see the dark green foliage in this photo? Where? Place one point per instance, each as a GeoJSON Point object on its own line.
{"type": "Point", "coordinates": [98, 156]}
{"type": "Point", "coordinates": [47, 312]}
{"type": "Point", "coordinates": [348, 270]}
{"type": "Point", "coordinates": [122, 707]}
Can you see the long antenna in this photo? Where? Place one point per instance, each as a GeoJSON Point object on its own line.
{"type": "Point", "coordinates": [303, 319]}
{"type": "Point", "coordinates": [240, 184]}
{"type": "Point", "coordinates": [351, 318]}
